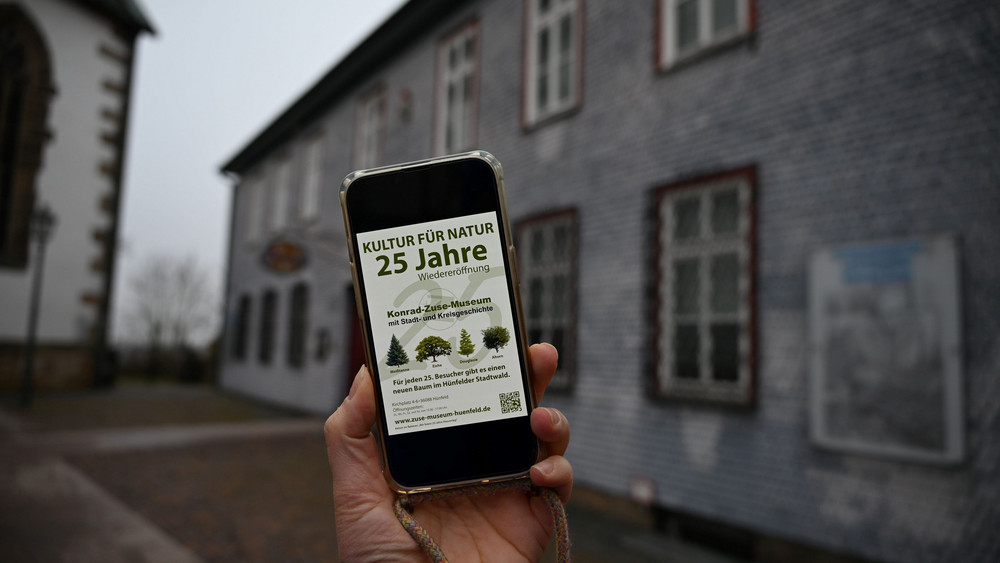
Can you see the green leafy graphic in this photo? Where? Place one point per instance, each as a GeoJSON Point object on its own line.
{"type": "Point", "coordinates": [397, 355]}
{"type": "Point", "coordinates": [496, 337]}
{"type": "Point", "coordinates": [432, 347]}
{"type": "Point", "coordinates": [465, 345]}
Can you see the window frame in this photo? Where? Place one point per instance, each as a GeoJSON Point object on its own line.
{"type": "Point", "coordinates": [252, 188]}
{"type": "Point", "coordinates": [668, 54]}
{"type": "Point", "coordinates": [370, 128]}
{"type": "Point", "coordinates": [241, 327]}
{"type": "Point", "coordinates": [565, 376]}
{"type": "Point", "coordinates": [531, 114]}
{"type": "Point", "coordinates": [705, 388]}
{"type": "Point", "coordinates": [472, 68]}
{"type": "Point", "coordinates": [24, 114]}
{"type": "Point", "coordinates": [312, 177]}
{"type": "Point", "coordinates": [281, 186]}
{"type": "Point", "coordinates": [266, 329]}
{"type": "Point", "coordinates": [296, 353]}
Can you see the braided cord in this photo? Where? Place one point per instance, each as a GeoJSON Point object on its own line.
{"type": "Point", "coordinates": [402, 508]}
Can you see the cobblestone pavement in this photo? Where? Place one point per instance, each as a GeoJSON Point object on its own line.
{"type": "Point", "coordinates": [176, 474]}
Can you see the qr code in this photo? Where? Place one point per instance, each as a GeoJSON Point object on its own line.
{"type": "Point", "coordinates": [510, 402]}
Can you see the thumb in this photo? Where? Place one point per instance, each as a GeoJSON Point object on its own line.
{"type": "Point", "coordinates": [350, 446]}
{"type": "Point", "coordinates": [356, 415]}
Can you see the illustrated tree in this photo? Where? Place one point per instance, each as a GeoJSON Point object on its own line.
{"type": "Point", "coordinates": [465, 345]}
{"type": "Point", "coordinates": [496, 337]}
{"type": "Point", "coordinates": [397, 355]}
{"type": "Point", "coordinates": [432, 347]}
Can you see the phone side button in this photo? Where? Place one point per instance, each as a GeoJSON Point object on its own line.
{"type": "Point", "coordinates": [357, 294]}
{"type": "Point", "coordinates": [350, 250]}
{"type": "Point", "coordinates": [513, 266]}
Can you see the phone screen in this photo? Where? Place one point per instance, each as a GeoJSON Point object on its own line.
{"type": "Point", "coordinates": [441, 321]}
{"type": "Point", "coordinates": [431, 258]}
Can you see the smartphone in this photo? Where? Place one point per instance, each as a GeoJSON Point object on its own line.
{"type": "Point", "coordinates": [435, 278]}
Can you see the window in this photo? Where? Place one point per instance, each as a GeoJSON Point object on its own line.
{"type": "Point", "coordinates": [265, 339]}
{"type": "Point", "coordinates": [457, 91]}
{"type": "Point", "coordinates": [241, 328]}
{"type": "Point", "coordinates": [688, 27]}
{"type": "Point", "coordinates": [280, 196]}
{"type": "Point", "coordinates": [298, 321]}
{"type": "Point", "coordinates": [547, 264]}
{"type": "Point", "coordinates": [371, 129]}
{"type": "Point", "coordinates": [324, 344]}
{"type": "Point", "coordinates": [704, 343]}
{"type": "Point", "coordinates": [25, 89]}
{"type": "Point", "coordinates": [253, 193]}
{"type": "Point", "coordinates": [312, 178]}
{"type": "Point", "coordinates": [554, 58]}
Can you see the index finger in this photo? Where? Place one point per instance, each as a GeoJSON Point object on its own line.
{"type": "Point", "coordinates": [543, 358]}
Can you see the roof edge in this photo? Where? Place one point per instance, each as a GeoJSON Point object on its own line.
{"type": "Point", "coordinates": [126, 12]}
{"type": "Point", "coordinates": [408, 23]}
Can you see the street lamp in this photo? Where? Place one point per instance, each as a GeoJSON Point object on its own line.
{"type": "Point", "coordinates": [43, 222]}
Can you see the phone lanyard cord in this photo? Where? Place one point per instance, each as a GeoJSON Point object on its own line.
{"type": "Point", "coordinates": [404, 503]}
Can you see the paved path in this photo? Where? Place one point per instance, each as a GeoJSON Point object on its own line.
{"type": "Point", "coordinates": [49, 511]}
{"type": "Point", "coordinates": [52, 512]}
{"type": "Point", "coordinates": [125, 439]}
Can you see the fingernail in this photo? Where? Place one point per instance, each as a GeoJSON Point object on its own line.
{"type": "Point", "coordinates": [554, 417]}
{"type": "Point", "coordinates": [545, 467]}
{"type": "Point", "coordinates": [357, 382]}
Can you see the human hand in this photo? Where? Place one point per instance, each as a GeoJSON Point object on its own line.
{"type": "Point", "coordinates": [506, 526]}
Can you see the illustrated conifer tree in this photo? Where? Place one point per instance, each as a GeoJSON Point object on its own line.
{"type": "Point", "coordinates": [496, 337]}
{"type": "Point", "coordinates": [397, 355]}
{"type": "Point", "coordinates": [432, 347]}
{"type": "Point", "coordinates": [465, 345]}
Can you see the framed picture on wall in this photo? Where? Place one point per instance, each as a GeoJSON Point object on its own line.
{"type": "Point", "coordinates": [886, 349]}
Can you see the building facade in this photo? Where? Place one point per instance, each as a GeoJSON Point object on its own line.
{"type": "Point", "coordinates": [760, 233]}
{"type": "Point", "coordinates": [65, 87]}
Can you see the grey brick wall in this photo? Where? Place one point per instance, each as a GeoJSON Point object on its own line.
{"type": "Point", "coordinates": [864, 120]}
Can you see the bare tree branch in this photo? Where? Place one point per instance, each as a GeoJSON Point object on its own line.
{"type": "Point", "coordinates": [171, 301]}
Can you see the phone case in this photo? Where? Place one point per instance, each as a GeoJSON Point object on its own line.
{"type": "Point", "coordinates": [348, 181]}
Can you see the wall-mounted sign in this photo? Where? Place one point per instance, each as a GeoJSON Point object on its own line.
{"type": "Point", "coordinates": [885, 349]}
{"type": "Point", "coordinates": [284, 256]}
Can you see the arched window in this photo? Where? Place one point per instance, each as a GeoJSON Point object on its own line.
{"type": "Point", "coordinates": [25, 89]}
{"type": "Point", "coordinates": [268, 314]}
{"type": "Point", "coordinates": [298, 325]}
{"type": "Point", "coordinates": [241, 330]}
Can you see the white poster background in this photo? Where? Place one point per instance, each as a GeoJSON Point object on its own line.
{"type": "Point", "coordinates": [438, 278]}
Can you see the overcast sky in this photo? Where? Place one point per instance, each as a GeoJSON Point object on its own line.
{"type": "Point", "coordinates": [214, 75]}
